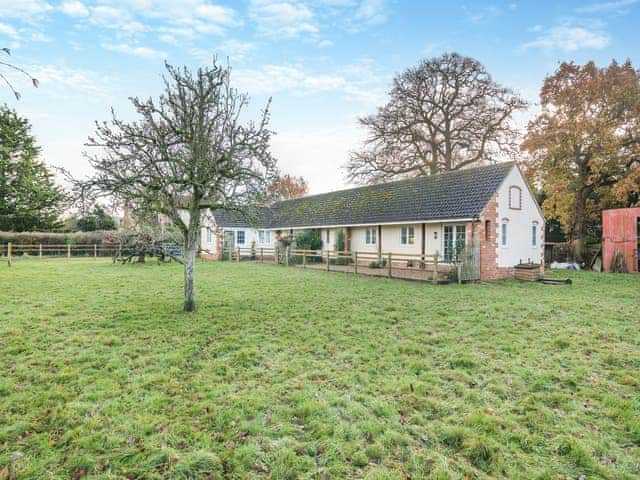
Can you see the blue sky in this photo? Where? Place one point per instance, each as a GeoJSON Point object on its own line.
{"type": "Point", "coordinates": [323, 62]}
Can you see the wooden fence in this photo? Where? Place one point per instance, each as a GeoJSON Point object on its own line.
{"type": "Point", "coordinates": [14, 251]}
{"type": "Point", "coordinates": [389, 264]}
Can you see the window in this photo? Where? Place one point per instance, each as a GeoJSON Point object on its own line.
{"type": "Point", "coordinates": [515, 197]}
{"type": "Point", "coordinates": [408, 235]}
{"type": "Point", "coordinates": [371, 236]}
{"type": "Point", "coordinates": [487, 229]}
{"type": "Point", "coordinates": [455, 239]}
{"type": "Point", "coordinates": [240, 237]}
{"type": "Point", "coordinates": [503, 240]}
{"type": "Point", "coordinates": [328, 236]}
{"type": "Point", "coordinates": [264, 237]}
{"type": "Point", "coordinates": [209, 236]}
{"type": "Point", "coordinates": [534, 234]}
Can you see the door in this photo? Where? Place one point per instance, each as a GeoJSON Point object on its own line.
{"type": "Point", "coordinates": [228, 240]}
{"type": "Point", "coordinates": [454, 240]}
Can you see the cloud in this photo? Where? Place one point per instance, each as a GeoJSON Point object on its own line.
{"type": "Point", "coordinates": [324, 43]}
{"type": "Point", "coordinates": [481, 14]}
{"type": "Point", "coordinates": [116, 19]}
{"type": "Point", "coordinates": [569, 39]}
{"type": "Point", "coordinates": [235, 49]}
{"type": "Point", "coordinates": [8, 30]}
{"type": "Point", "coordinates": [371, 12]}
{"type": "Point", "coordinates": [74, 8]}
{"type": "Point", "coordinates": [620, 6]}
{"type": "Point", "coordinates": [142, 52]}
{"type": "Point", "coordinates": [26, 10]}
{"type": "Point", "coordinates": [325, 151]}
{"type": "Point", "coordinates": [356, 82]}
{"type": "Point", "coordinates": [282, 18]}
{"type": "Point", "coordinates": [63, 81]}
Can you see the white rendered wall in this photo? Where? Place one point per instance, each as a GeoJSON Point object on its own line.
{"type": "Point", "coordinates": [519, 245]}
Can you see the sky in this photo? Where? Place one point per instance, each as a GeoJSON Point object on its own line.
{"type": "Point", "coordinates": [324, 63]}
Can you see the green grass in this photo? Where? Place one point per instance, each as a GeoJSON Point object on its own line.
{"type": "Point", "coordinates": [287, 374]}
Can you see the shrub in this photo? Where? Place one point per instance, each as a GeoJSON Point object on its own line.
{"type": "Point", "coordinates": [378, 264]}
{"type": "Point", "coordinates": [308, 240]}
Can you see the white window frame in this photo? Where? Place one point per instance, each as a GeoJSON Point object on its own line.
{"type": "Point", "coordinates": [534, 234]}
{"type": "Point", "coordinates": [264, 237]}
{"type": "Point", "coordinates": [244, 237]}
{"type": "Point", "coordinates": [455, 233]}
{"type": "Point", "coordinates": [209, 235]}
{"type": "Point", "coordinates": [408, 235]}
{"type": "Point", "coordinates": [328, 236]}
{"type": "Point", "coordinates": [371, 236]}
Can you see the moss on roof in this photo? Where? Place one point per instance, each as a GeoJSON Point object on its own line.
{"type": "Point", "coordinates": [456, 194]}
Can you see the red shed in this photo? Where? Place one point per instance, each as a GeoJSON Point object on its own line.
{"type": "Point", "coordinates": [621, 231]}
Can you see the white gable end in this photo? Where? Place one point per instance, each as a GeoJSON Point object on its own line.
{"type": "Point", "coordinates": [518, 220]}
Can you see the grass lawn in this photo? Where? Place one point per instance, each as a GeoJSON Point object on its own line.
{"type": "Point", "coordinates": [287, 374]}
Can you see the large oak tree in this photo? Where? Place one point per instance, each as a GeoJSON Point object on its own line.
{"type": "Point", "coordinates": [190, 149]}
{"type": "Point", "coordinates": [585, 145]}
{"type": "Point", "coordinates": [444, 114]}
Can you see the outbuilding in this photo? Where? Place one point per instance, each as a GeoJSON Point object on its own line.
{"type": "Point", "coordinates": [621, 232]}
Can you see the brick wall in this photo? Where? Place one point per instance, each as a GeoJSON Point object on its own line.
{"type": "Point", "coordinates": [489, 269]}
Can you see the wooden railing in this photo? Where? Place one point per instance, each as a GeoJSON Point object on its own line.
{"type": "Point", "coordinates": [388, 264]}
{"type": "Point", "coordinates": [12, 250]}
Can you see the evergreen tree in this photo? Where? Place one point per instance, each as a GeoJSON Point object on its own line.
{"type": "Point", "coordinates": [29, 200]}
{"type": "Point", "coordinates": [98, 219]}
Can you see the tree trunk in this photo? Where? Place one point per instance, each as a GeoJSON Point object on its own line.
{"type": "Point", "coordinates": [190, 250]}
{"type": "Point", "coordinates": [580, 226]}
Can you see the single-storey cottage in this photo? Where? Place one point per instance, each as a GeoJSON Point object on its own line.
{"type": "Point", "coordinates": [490, 205]}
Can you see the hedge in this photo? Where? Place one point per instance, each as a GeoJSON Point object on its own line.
{"type": "Point", "coordinates": [48, 238]}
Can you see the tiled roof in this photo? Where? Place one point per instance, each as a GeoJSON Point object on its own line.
{"type": "Point", "coordinates": [451, 195]}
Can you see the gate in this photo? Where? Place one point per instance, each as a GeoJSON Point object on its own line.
{"type": "Point", "coordinates": [469, 260]}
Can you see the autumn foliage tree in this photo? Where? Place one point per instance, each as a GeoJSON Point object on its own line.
{"type": "Point", "coordinates": [287, 187]}
{"type": "Point", "coordinates": [444, 114]}
{"type": "Point", "coordinates": [585, 145]}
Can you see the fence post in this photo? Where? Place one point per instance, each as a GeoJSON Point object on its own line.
{"type": "Point", "coordinates": [286, 256]}
{"type": "Point", "coordinates": [355, 262]}
{"type": "Point", "coordinates": [40, 250]}
{"type": "Point", "coordinates": [389, 263]}
{"type": "Point", "coordinates": [328, 259]}
{"type": "Point", "coordinates": [9, 248]}
{"type": "Point", "coordinates": [304, 259]}
{"type": "Point", "coordinates": [68, 251]}
{"type": "Point", "coordinates": [238, 254]}
{"type": "Point", "coordinates": [459, 274]}
{"type": "Point", "coordinates": [435, 268]}
{"type": "Point", "coordinates": [261, 254]}
{"type": "Point", "coordinates": [119, 249]}
{"type": "Point", "coordinates": [275, 255]}
{"type": "Point", "coordinates": [95, 251]}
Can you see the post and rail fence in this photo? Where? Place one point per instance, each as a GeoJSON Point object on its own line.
{"type": "Point", "coordinates": [13, 251]}
{"type": "Point", "coordinates": [427, 267]}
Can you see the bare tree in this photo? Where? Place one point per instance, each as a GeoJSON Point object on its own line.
{"type": "Point", "coordinates": [445, 114]}
{"type": "Point", "coordinates": [189, 150]}
{"type": "Point", "coordinates": [10, 66]}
